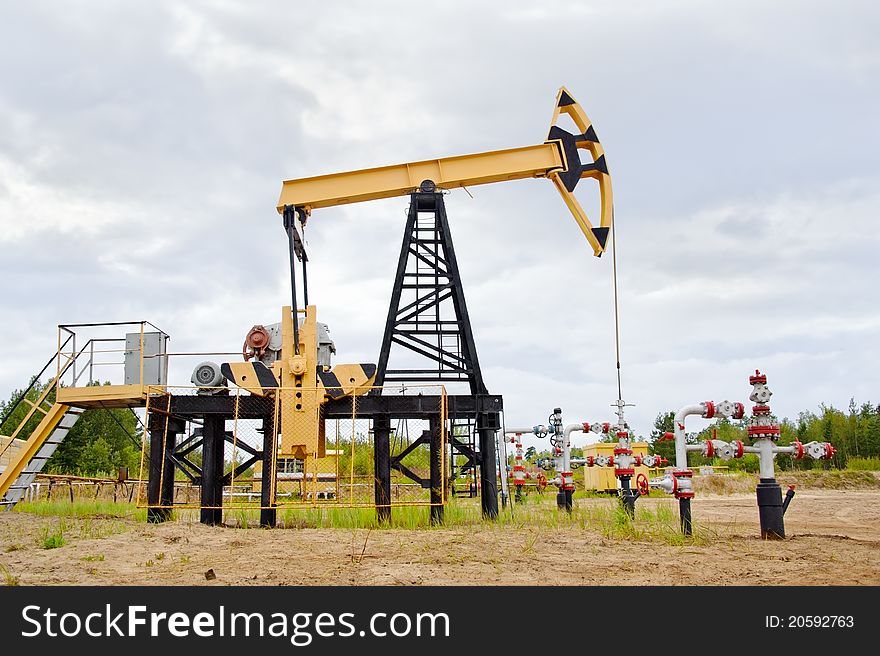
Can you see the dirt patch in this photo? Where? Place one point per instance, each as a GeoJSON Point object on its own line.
{"type": "Point", "coordinates": [833, 539]}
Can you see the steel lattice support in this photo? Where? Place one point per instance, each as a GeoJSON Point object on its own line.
{"type": "Point", "coordinates": [428, 316]}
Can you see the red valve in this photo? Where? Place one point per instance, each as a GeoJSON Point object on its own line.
{"type": "Point", "coordinates": [758, 378]}
{"type": "Point", "coordinates": [829, 451]}
{"type": "Point", "coordinates": [666, 436]}
{"type": "Point", "coordinates": [642, 485]}
{"type": "Point", "coordinates": [739, 449]}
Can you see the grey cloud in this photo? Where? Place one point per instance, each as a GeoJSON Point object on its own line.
{"type": "Point", "coordinates": [741, 138]}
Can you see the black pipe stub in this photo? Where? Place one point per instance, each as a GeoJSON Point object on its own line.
{"type": "Point", "coordinates": [684, 510]}
{"type": "Point", "coordinates": [770, 509]}
{"type": "Point", "coordinates": [789, 495]}
{"type": "Point", "coordinates": [564, 500]}
{"type": "Point", "coordinates": [628, 496]}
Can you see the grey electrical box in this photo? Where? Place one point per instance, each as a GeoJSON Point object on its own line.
{"type": "Point", "coordinates": [155, 359]}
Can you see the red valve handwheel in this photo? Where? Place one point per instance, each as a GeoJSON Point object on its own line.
{"type": "Point", "coordinates": [642, 485]}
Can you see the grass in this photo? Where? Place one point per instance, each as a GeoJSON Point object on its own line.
{"type": "Point", "coordinates": [536, 515]}
{"type": "Point", "coordinates": [83, 509]}
{"type": "Point", "coordinates": [8, 578]}
{"type": "Point", "coordinates": [817, 479]}
{"type": "Point", "coordinates": [52, 537]}
{"type": "Point", "coordinates": [831, 479]}
{"type": "Point", "coordinates": [863, 464]}
{"type": "Point", "coordinates": [603, 514]}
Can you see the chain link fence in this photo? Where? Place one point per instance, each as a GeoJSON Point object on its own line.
{"type": "Point", "coordinates": [320, 461]}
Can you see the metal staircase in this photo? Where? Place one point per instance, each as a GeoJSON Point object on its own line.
{"type": "Point", "coordinates": [27, 448]}
{"type": "Point", "coordinates": [63, 419]}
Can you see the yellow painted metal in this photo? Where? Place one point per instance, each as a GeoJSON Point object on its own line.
{"type": "Point", "coordinates": [546, 160]}
{"type": "Point", "coordinates": [105, 396]}
{"type": "Point", "coordinates": [33, 405]}
{"type": "Point", "coordinates": [37, 405]}
{"type": "Point", "coordinates": [352, 379]}
{"type": "Point", "coordinates": [302, 431]}
{"type": "Point", "coordinates": [299, 391]}
{"type": "Point", "coordinates": [583, 123]}
{"type": "Point", "coordinates": [399, 179]}
{"type": "Point", "coordinates": [603, 478]}
{"type": "Point", "coordinates": [28, 448]}
{"type": "Point", "coordinates": [244, 376]}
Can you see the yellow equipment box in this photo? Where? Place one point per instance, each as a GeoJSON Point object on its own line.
{"type": "Point", "coordinates": [602, 479]}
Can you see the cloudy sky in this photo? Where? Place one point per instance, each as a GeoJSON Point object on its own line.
{"type": "Point", "coordinates": [143, 144]}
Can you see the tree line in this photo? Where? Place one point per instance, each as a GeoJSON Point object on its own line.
{"type": "Point", "coordinates": [854, 433]}
{"type": "Point", "coordinates": [104, 440]}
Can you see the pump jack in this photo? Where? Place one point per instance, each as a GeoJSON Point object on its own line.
{"type": "Point", "coordinates": [288, 356]}
{"type": "Point", "coordinates": [430, 244]}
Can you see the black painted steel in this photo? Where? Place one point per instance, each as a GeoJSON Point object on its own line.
{"type": "Point", "coordinates": [399, 407]}
{"type": "Point", "coordinates": [628, 496]}
{"type": "Point", "coordinates": [487, 425]}
{"type": "Point", "coordinates": [684, 510]}
{"type": "Point", "coordinates": [428, 316]}
{"type": "Point", "coordinates": [268, 513]}
{"type": "Point", "coordinates": [789, 495]}
{"type": "Point", "coordinates": [770, 509]}
{"type": "Point", "coordinates": [382, 466]}
{"type": "Point", "coordinates": [160, 481]}
{"type": "Point", "coordinates": [428, 313]}
{"type": "Point", "coordinates": [213, 443]}
{"type": "Point", "coordinates": [290, 229]}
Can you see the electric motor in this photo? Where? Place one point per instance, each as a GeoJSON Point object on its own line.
{"type": "Point", "coordinates": [207, 374]}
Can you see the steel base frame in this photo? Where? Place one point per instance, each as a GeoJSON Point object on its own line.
{"type": "Point", "coordinates": [169, 415]}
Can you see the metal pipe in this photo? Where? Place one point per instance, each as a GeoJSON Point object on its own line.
{"type": "Point", "coordinates": [680, 445]}
{"type": "Point", "coordinates": [539, 430]}
{"type": "Point", "coordinates": [766, 453]}
{"type": "Point", "coordinates": [789, 495]}
{"type": "Point", "coordinates": [566, 444]}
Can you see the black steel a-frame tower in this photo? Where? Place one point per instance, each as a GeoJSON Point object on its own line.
{"type": "Point", "coordinates": [429, 337]}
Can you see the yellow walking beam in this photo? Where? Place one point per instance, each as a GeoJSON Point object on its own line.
{"type": "Point", "coordinates": [399, 179]}
{"type": "Point", "coordinates": [558, 158]}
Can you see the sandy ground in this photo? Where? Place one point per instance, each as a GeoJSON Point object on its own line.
{"type": "Point", "coordinates": [834, 538]}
